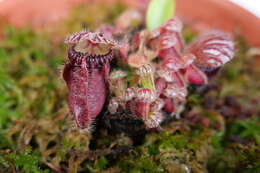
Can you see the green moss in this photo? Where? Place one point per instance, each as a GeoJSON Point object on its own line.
{"type": "Point", "coordinates": [25, 162]}
{"type": "Point", "coordinates": [246, 129]}
{"type": "Point", "coordinates": [142, 164]}
{"type": "Point", "coordinates": [102, 163]}
{"type": "Point", "coordinates": [170, 141]}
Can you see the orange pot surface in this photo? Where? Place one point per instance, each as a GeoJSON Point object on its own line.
{"type": "Point", "coordinates": [200, 14]}
{"type": "Point", "coordinates": [220, 14]}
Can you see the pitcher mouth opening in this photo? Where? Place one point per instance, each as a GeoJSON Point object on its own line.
{"type": "Point", "coordinates": [94, 48]}
{"type": "Point", "coordinates": [92, 61]}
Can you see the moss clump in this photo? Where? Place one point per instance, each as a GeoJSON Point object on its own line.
{"type": "Point", "coordinates": [26, 161]}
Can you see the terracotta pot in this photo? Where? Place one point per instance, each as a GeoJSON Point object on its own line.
{"type": "Point", "coordinates": [201, 14]}
{"type": "Point", "coordinates": [216, 14]}
{"type": "Point", "coordinates": [220, 14]}
{"type": "Point", "coordinates": [37, 13]}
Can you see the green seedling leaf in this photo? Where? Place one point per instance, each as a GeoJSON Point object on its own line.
{"type": "Point", "coordinates": [159, 11]}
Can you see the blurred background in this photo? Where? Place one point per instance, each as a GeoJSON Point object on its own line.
{"type": "Point", "coordinates": [232, 15]}
{"type": "Point", "coordinates": [219, 130]}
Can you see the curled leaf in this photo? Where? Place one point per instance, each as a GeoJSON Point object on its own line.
{"type": "Point", "coordinates": [213, 49]}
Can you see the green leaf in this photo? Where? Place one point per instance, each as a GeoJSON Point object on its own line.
{"type": "Point", "coordinates": [159, 11]}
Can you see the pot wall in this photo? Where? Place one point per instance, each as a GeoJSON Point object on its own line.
{"type": "Point", "coordinates": [221, 14]}
{"type": "Point", "coordinates": [201, 14]}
